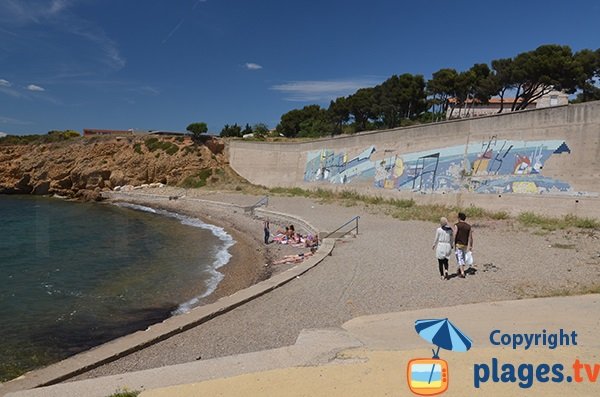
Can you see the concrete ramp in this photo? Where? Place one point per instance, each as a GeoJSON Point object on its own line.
{"type": "Point", "coordinates": [369, 356]}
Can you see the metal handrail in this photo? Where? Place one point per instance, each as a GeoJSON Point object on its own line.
{"type": "Point", "coordinates": [356, 218]}
{"type": "Point", "coordinates": [263, 201]}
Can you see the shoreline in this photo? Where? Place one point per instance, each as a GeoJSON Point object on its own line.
{"type": "Point", "coordinates": [244, 268]}
{"type": "Point", "coordinates": [246, 265]}
{"type": "Point", "coordinates": [251, 260]}
{"type": "Point", "coordinates": [231, 294]}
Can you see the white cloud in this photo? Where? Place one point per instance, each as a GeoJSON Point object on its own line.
{"type": "Point", "coordinates": [176, 27]}
{"type": "Point", "coordinates": [253, 66]}
{"type": "Point", "coordinates": [90, 32]}
{"type": "Point", "coordinates": [198, 2]}
{"type": "Point", "coordinates": [321, 90]}
{"type": "Point", "coordinates": [5, 83]}
{"type": "Point", "coordinates": [10, 91]}
{"type": "Point", "coordinates": [58, 5]}
{"type": "Point", "coordinates": [58, 14]}
{"type": "Point", "coordinates": [172, 32]}
{"type": "Point", "coordinates": [16, 12]}
{"type": "Point", "coordinates": [9, 120]}
{"type": "Point", "coordinates": [145, 89]}
{"type": "Point", "coordinates": [36, 88]}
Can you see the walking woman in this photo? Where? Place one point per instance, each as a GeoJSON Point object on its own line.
{"type": "Point", "coordinates": [443, 245]}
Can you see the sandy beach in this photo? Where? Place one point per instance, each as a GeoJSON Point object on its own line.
{"type": "Point", "coordinates": [251, 260]}
{"type": "Point", "coordinates": [389, 267]}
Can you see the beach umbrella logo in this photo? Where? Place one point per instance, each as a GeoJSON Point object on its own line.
{"type": "Point", "coordinates": [429, 376]}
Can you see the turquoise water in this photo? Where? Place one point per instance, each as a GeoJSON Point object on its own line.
{"type": "Point", "coordinates": [75, 275]}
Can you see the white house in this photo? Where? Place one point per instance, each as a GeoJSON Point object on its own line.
{"type": "Point", "coordinates": [553, 98]}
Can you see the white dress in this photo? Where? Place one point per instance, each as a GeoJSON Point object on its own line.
{"type": "Point", "coordinates": [443, 239]}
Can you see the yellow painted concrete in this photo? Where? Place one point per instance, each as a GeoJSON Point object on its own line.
{"type": "Point", "coordinates": [383, 373]}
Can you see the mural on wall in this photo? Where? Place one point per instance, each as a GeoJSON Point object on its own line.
{"type": "Point", "coordinates": [326, 165]}
{"type": "Point", "coordinates": [493, 166]}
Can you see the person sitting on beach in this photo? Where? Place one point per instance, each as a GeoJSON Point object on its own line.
{"type": "Point", "coordinates": [290, 231]}
{"type": "Point", "coordinates": [297, 238]}
{"type": "Point", "coordinates": [281, 236]}
{"type": "Point", "coordinates": [294, 258]}
{"type": "Point", "coordinates": [311, 241]}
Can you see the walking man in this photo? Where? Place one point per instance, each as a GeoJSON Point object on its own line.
{"type": "Point", "coordinates": [266, 230]}
{"type": "Point", "coordinates": [463, 241]}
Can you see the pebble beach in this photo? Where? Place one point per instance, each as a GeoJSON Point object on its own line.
{"type": "Point", "coordinates": [388, 267]}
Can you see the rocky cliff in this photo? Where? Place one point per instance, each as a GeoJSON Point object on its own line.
{"type": "Point", "coordinates": [83, 167]}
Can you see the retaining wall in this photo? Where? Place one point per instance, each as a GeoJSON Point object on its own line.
{"type": "Point", "coordinates": [507, 161]}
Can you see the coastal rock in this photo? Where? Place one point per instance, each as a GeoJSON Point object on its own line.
{"type": "Point", "coordinates": [82, 167]}
{"type": "Point", "coordinates": [117, 178]}
{"type": "Point", "coordinates": [41, 188]}
{"type": "Point", "coordinates": [215, 146]}
{"type": "Point", "coordinates": [23, 184]}
{"type": "Point", "coordinates": [61, 184]}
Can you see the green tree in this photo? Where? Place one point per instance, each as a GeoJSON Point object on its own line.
{"type": "Point", "coordinates": [247, 130]}
{"type": "Point", "coordinates": [587, 64]}
{"type": "Point", "coordinates": [231, 131]}
{"type": "Point", "coordinates": [260, 130]}
{"type": "Point", "coordinates": [311, 120]}
{"type": "Point", "coordinates": [441, 88]}
{"type": "Point", "coordinates": [399, 98]}
{"type": "Point", "coordinates": [362, 107]}
{"type": "Point", "coordinates": [339, 114]}
{"type": "Point", "coordinates": [197, 129]}
{"type": "Point", "coordinates": [536, 73]}
{"type": "Point", "coordinates": [501, 78]}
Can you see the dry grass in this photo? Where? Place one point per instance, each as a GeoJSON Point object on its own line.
{"type": "Point", "coordinates": [583, 290]}
{"type": "Point", "coordinates": [408, 209]}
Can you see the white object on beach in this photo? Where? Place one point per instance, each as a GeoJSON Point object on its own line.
{"type": "Point", "coordinates": [469, 259]}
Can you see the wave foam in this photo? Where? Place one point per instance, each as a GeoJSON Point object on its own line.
{"type": "Point", "coordinates": [222, 256]}
{"type": "Point", "coordinates": [136, 207]}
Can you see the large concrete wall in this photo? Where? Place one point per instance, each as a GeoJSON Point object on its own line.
{"type": "Point", "coordinates": [507, 161]}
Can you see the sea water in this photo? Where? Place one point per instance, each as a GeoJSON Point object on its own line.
{"type": "Point", "coordinates": [75, 275]}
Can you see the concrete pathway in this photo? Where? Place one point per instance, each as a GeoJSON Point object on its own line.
{"type": "Point", "coordinates": [369, 356]}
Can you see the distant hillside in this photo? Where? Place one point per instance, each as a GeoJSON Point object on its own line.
{"type": "Point", "coordinates": [83, 167]}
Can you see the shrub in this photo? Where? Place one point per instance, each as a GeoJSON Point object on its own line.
{"type": "Point", "coordinates": [125, 393]}
{"type": "Point", "coordinates": [151, 143]}
{"type": "Point", "coordinates": [550, 223]}
{"type": "Point", "coordinates": [499, 215]}
{"type": "Point", "coordinates": [197, 180]}
{"type": "Point", "coordinates": [154, 144]}
{"type": "Point", "coordinates": [171, 149]}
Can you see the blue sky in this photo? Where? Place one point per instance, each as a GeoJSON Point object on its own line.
{"type": "Point", "coordinates": [162, 64]}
